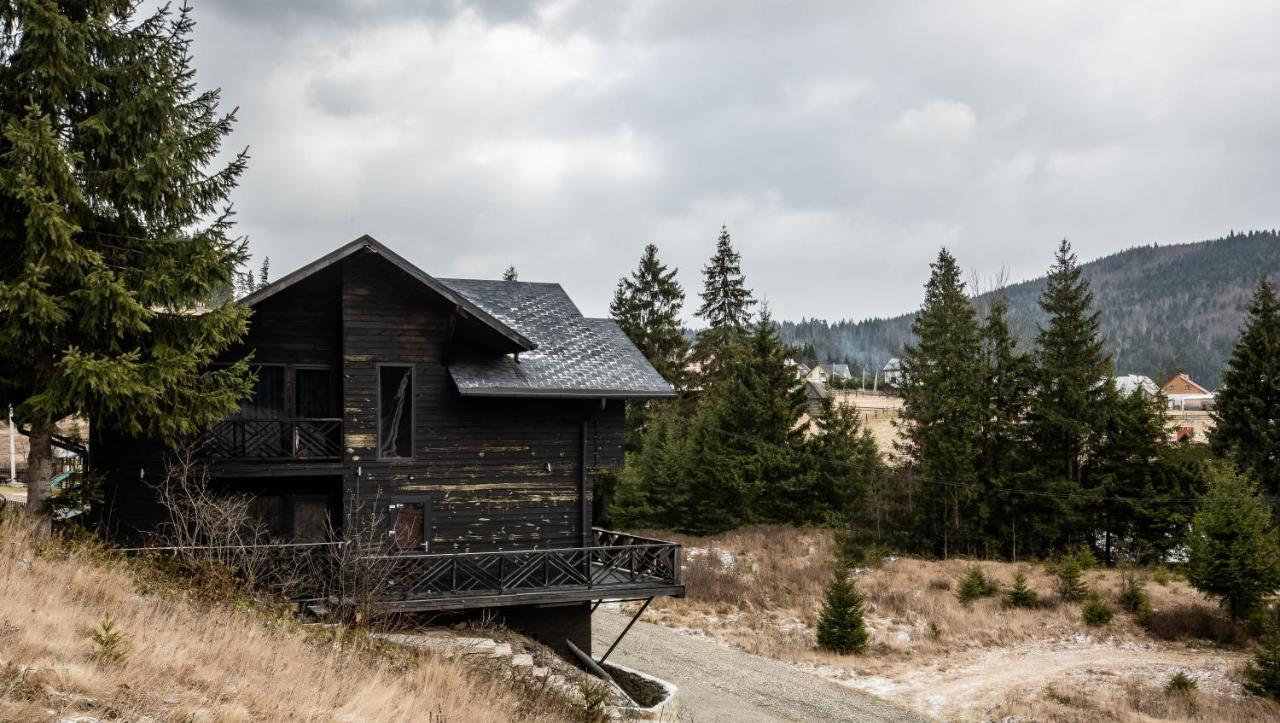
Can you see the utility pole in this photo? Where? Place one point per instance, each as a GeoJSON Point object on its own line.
{"type": "Point", "coordinates": [13, 450]}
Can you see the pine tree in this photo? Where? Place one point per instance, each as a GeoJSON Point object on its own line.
{"type": "Point", "coordinates": [841, 628]}
{"type": "Point", "coordinates": [726, 308]}
{"type": "Point", "coordinates": [1004, 396]}
{"type": "Point", "coordinates": [1020, 595]}
{"type": "Point", "coordinates": [647, 306]}
{"type": "Point", "coordinates": [1262, 673]}
{"type": "Point", "coordinates": [761, 405]}
{"type": "Point", "coordinates": [264, 272]}
{"type": "Point", "coordinates": [1233, 551]}
{"type": "Point", "coordinates": [941, 410]}
{"type": "Point", "coordinates": [1071, 367]}
{"type": "Point", "coordinates": [1247, 414]}
{"type": "Point", "coordinates": [510, 274]}
{"type": "Point", "coordinates": [1073, 393]}
{"type": "Point", "coordinates": [115, 231]}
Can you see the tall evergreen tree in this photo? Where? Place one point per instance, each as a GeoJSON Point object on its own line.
{"type": "Point", "coordinates": [1072, 372]}
{"type": "Point", "coordinates": [114, 226]}
{"type": "Point", "coordinates": [1073, 394]}
{"type": "Point", "coordinates": [1004, 394]}
{"type": "Point", "coordinates": [264, 271]}
{"type": "Point", "coordinates": [726, 308]}
{"type": "Point", "coordinates": [510, 274]}
{"type": "Point", "coordinates": [647, 306]}
{"type": "Point", "coordinates": [941, 412]}
{"type": "Point", "coordinates": [1247, 414]}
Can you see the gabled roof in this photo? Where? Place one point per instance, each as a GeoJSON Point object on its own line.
{"type": "Point", "coordinates": [575, 356]}
{"type": "Point", "coordinates": [465, 306]}
{"type": "Point", "coordinates": [1184, 378]}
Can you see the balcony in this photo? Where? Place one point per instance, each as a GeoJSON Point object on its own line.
{"type": "Point", "coordinates": [315, 439]}
{"type": "Point", "coordinates": [615, 566]}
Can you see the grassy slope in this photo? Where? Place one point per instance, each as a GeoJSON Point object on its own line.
{"type": "Point", "coordinates": [761, 589]}
{"type": "Point", "coordinates": [190, 660]}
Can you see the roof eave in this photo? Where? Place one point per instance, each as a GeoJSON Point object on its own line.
{"type": "Point", "coordinates": [565, 393]}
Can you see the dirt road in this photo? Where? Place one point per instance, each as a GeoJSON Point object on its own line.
{"type": "Point", "coordinates": [719, 683]}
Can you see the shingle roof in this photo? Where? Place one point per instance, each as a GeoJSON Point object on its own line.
{"type": "Point", "coordinates": [575, 356]}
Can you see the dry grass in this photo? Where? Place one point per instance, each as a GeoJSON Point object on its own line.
{"type": "Point", "coordinates": [189, 660]}
{"type": "Point", "coordinates": [761, 589]}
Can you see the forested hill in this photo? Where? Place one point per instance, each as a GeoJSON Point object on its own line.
{"type": "Point", "coordinates": [1164, 308]}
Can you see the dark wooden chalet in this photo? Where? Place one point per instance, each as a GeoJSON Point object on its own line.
{"type": "Point", "coordinates": [461, 421]}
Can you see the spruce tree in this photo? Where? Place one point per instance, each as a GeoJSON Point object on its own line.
{"type": "Point", "coordinates": [1004, 394]}
{"type": "Point", "coordinates": [844, 470]}
{"type": "Point", "coordinates": [510, 274]}
{"type": "Point", "coordinates": [1234, 556]}
{"type": "Point", "coordinates": [1073, 391]}
{"type": "Point", "coordinates": [941, 410]}
{"type": "Point", "coordinates": [647, 306]}
{"type": "Point", "coordinates": [726, 308]}
{"type": "Point", "coordinates": [1262, 672]}
{"type": "Point", "coordinates": [264, 271]}
{"type": "Point", "coordinates": [761, 405]}
{"type": "Point", "coordinates": [1020, 594]}
{"type": "Point", "coordinates": [114, 227]}
{"type": "Point", "coordinates": [841, 628]}
{"type": "Point", "coordinates": [1247, 413]}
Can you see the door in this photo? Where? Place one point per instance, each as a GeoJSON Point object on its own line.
{"type": "Point", "coordinates": [411, 524]}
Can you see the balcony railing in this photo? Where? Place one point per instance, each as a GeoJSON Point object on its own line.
{"type": "Point", "coordinates": [615, 564]}
{"type": "Point", "coordinates": [317, 439]}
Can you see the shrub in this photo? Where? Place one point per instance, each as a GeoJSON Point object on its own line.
{"type": "Point", "coordinates": [1161, 576]}
{"type": "Point", "coordinates": [1133, 596]}
{"type": "Point", "coordinates": [1096, 612]}
{"type": "Point", "coordinates": [1070, 576]}
{"type": "Point", "coordinates": [109, 643]}
{"type": "Point", "coordinates": [973, 585]}
{"type": "Point", "coordinates": [840, 625]}
{"type": "Point", "coordinates": [1180, 684]}
{"type": "Point", "coordinates": [1021, 595]}
{"type": "Point", "coordinates": [1262, 673]}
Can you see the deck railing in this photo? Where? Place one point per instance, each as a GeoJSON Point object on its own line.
{"type": "Point", "coordinates": [617, 561]}
{"type": "Point", "coordinates": [312, 438]}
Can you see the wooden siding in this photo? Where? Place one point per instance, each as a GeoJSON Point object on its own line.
{"type": "Point", "coordinates": [501, 474]}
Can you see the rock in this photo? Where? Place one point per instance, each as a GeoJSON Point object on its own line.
{"type": "Point", "coordinates": [540, 672]}
{"type": "Point", "coordinates": [501, 650]}
{"type": "Point", "coordinates": [523, 660]}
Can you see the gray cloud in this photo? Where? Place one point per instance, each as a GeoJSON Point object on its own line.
{"type": "Point", "coordinates": [842, 143]}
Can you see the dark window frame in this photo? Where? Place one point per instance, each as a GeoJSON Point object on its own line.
{"type": "Point", "coordinates": [394, 508]}
{"type": "Point", "coordinates": [284, 391]}
{"type": "Point", "coordinates": [292, 377]}
{"type": "Point", "coordinates": [413, 373]}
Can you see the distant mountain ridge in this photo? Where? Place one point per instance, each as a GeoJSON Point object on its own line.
{"type": "Point", "coordinates": [1165, 309]}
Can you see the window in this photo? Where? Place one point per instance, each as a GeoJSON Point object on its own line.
{"type": "Point", "coordinates": [310, 519]}
{"type": "Point", "coordinates": [313, 393]}
{"type": "Point", "coordinates": [409, 525]}
{"type": "Point", "coordinates": [395, 412]}
{"type": "Point", "coordinates": [267, 399]}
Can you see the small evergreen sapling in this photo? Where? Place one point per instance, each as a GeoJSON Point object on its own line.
{"type": "Point", "coordinates": [1070, 576]}
{"type": "Point", "coordinates": [1096, 613]}
{"type": "Point", "coordinates": [109, 646]}
{"type": "Point", "coordinates": [840, 625]}
{"type": "Point", "coordinates": [975, 584]}
{"type": "Point", "coordinates": [1262, 673]}
{"type": "Point", "coordinates": [1180, 684]}
{"type": "Point", "coordinates": [1133, 596]}
{"type": "Point", "coordinates": [1021, 595]}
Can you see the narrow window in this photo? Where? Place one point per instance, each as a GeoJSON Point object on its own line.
{"type": "Point", "coordinates": [395, 413]}
{"type": "Point", "coordinates": [313, 393]}
{"type": "Point", "coordinates": [310, 519]}
{"type": "Point", "coordinates": [267, 399]}
{"type": "Point", "coordinates": [409, 521]}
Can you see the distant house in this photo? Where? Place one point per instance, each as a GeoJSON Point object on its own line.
{"type": "Point", "coordinates": [817, 374]}
{"type": "Point", "coordinates": [1185, 395]}
{"type": "Point", "coordinates": [802, 370]}
{"type": "Point", "coordinates": [892, 373]}
{"type": "Point", "coordinates": [1129, 383]}
{"type": "Point", "coordinates": [1183, 384]}
{"type": "Point", "coordinates": [841, 372]}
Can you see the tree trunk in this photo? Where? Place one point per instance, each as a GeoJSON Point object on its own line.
{"type": "Point", "coordinates": [39, 474]}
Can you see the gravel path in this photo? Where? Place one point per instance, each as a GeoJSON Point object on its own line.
{"type": "Point", "coordinates": [719, 683]}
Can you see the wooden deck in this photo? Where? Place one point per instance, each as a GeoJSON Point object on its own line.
{"type": "Point", "coordinates": [617, 566]}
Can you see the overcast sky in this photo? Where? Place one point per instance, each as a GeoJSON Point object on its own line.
{"type": "Point", "coordinates": [842, 143]}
